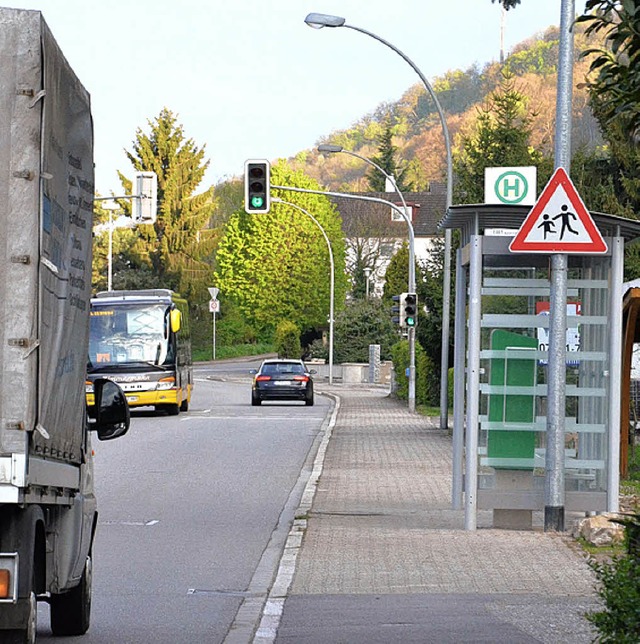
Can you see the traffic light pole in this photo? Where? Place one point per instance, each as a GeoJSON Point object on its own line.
{"type": "Point", "coordinates": [412, 274]}
{"type": "Point", "coordinates": [333, 272]}
{"type": "Point", "coordinates": [411, 335]}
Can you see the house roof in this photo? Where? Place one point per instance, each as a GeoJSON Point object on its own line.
{"type": "Point", "coordinates": [359, 216]}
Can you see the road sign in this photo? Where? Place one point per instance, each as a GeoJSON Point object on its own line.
{"type": "Point", "coordinates": [514, 186]}
{"type": "Point", "coordinates": [213, 291]}
{"type": "Point", "coordinates": [214, 306]}
{"type": "Point", "coordinates": [559, 222]}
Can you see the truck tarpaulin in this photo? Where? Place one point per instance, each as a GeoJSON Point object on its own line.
{"type": "Point", "coordinates": [45, 137]}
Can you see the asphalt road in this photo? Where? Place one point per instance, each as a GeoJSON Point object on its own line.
{"type": "Point", "coordinates": [194, 510]}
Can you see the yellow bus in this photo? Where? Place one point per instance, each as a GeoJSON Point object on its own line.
{"type": "Point", "coordinates": [141, 340]}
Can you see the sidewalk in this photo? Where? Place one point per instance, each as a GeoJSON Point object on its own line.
{"type": "Point", "coordinates": [384, 558]}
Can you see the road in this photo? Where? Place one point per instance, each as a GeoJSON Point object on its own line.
{"type": "Point", "coordinates": [194, 511]}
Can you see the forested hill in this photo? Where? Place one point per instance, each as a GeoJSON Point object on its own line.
{"type": "Point", "coordinates": [417, 129]}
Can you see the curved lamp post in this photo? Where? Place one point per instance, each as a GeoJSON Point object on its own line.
{"type": "Point", "coordinates": [411, 332]}
{"type": "Point", "coordinates": [320, 20]}
{"type": "Point", "coordinates": [332, 286]}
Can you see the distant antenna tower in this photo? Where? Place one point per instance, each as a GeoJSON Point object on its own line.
{"type": "Point", "coordinates": [503, 20]}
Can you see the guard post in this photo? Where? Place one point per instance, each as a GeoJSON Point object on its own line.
{"type": "Point", "coordinates": [501, 367]}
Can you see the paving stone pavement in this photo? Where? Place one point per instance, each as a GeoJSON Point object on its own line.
{"type": "Point", "coordinates": [381, 525]}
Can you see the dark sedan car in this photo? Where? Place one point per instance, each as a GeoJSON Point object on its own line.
{"type": "Point", "coordinates": [279, 379]}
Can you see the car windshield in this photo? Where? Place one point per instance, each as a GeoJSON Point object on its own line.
{"type": "Point", "coordinates": [273, 368]}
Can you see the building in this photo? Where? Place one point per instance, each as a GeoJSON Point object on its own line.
{"type": "Point", "coordinates": [375, 231]}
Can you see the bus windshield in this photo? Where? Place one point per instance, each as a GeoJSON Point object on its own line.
{"type": "Point", "coordinates": [129, 334]}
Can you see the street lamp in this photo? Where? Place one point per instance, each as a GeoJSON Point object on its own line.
{"type": "Point", "coordinates": [367, 273]}
{"type": "Point", "coordinates": [319, 20]}
{"type": "Point", "coordinates": [332, 285]}
{"type": "Point", "coordinates": [411, 331]}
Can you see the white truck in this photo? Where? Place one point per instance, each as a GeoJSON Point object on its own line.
{"type": "Point", "coordinates": [48, 512]}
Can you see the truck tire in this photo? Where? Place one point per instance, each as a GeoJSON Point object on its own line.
{"type": "Point", "coordinates": [71, 611]}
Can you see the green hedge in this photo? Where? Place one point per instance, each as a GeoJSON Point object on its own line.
{"type": "Point", "coordinates": [426, 374]}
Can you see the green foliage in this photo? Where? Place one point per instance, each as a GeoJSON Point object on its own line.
{"type": "Point", "coordinates": [426, 394]}
{"type": "Point", "coordinates": [500, 138]}
{"type": "Point", "coordinates": [508, 4]}
{"type": "Point", "coordinates": [619, 590]}
{"type": "Point", "coordinates": [287, 340]}
{"type": "Point", "coordinates": [361, 323]}
{"type": "Point", "coordinates": [457, 90]}
{"type": "Point", "coordinates": [225, 352]}
{"type": "Point", "coordinates": [598, 177]}
{"type": "Point", "coordinates": [176, 251]}
{"type": "Point", "coordinates": [615, 66]}
{"type": "Point", "coordinates": [276, 266]}
{"type": "Point", "coordinates": [397, 275]}
{"type": "Point", "coordinates": [386, 159]}
{"type": "Point", "coordinates": [429, 288]}
{"type": "Point", "coordinates": [540, 57]}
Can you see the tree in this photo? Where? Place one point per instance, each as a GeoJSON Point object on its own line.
{"type": "Point", "coordinates": [361, 323]}
{"type": "Point", "coordinates": [500, 137]}
{"type": "Point", "coordinates": [276, 266]}
{"type": "Point", "coordinates": [176, 250]}
{"type": "Point", "coordinates": [507, 4]}
{"type": "Point", "coordinates": [386, 159]}
{"type": "Point", "coordinates": [616, 65]}
{"type": "Point", "coordinates": [397, 275]}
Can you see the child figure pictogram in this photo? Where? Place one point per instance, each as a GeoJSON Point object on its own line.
{"type": "Point", "coordinates": [565, 216]}
{"type": "Point", "coordinates": [547, 225]}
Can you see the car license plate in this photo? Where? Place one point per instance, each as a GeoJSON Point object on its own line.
{"type": "Point", "coordinates": [132, 398]}
{"type": "Point", "coordinates": [283, 383]}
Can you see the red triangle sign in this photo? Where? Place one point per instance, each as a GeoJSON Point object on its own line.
{"type": "Point", "coordinates": [559, 222]}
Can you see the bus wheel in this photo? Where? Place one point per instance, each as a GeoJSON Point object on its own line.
{"type": "Point", "coordinates": [172, 410]}
{"type": "Point", "coordinates": [184, 405]}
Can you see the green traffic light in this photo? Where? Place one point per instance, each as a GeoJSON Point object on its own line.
{"type": "Point", "coordinates": [411, 322]}
{"type": "Point", "coordinates": [257, 202]}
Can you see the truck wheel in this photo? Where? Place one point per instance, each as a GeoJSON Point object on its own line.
{"type": "Point", "coordinates": [71, 611]}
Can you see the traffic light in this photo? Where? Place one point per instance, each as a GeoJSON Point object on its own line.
{"type": "Point", "coordinates": [409, 314]}
{"type": "Point", "coordinates": [396, 309]}
{"type": "Point", "coordinates": [256, 186]}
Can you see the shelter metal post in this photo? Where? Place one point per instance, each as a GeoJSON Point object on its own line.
{"type": "Point", "coordinates": [615, 371]}
{"type": "Point", "coordinates": [473, 384]}
{"type": "Point", "coordinates": [459, 380]}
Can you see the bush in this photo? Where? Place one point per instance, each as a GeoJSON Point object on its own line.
{"type": "Point", "coordinates": [619, 590]}
{"type": "Point", "coordinates": [287, 340]}
{"type": "Point", "coordinates": [361, 323]}
{"type": "Point", "coordinates": [424, 367]}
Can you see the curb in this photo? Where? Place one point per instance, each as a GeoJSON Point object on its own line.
{"type": "Point", "coordinates": [274, 606]}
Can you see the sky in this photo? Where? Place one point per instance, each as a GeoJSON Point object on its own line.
{"type": "Point", "coordinates": [249, 79]}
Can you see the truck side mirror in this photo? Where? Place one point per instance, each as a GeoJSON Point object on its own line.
{"type": "Point", "coordinates": [175, 317]}
{"type": "Point", "coordinates": [111, 410]}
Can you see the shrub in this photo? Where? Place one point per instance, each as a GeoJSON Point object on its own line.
{"type": "Point", "coordinates": [619, 589]}
{"type": "Point", "coordinates": [361, 323]}
{"type": "Point", "coordinates": [424, 367]}
{"type": "Point", "coordinates": [287, 340]}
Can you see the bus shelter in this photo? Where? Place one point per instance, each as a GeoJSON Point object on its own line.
{"type": "Point", "coordinates": [502, 306]}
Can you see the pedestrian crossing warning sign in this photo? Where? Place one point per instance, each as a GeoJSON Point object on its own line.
{"type": "Point", "coordinates": [559, 222]}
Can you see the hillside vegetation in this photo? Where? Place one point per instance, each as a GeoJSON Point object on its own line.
{"type": "Point", "coordinates": [417, 129]}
